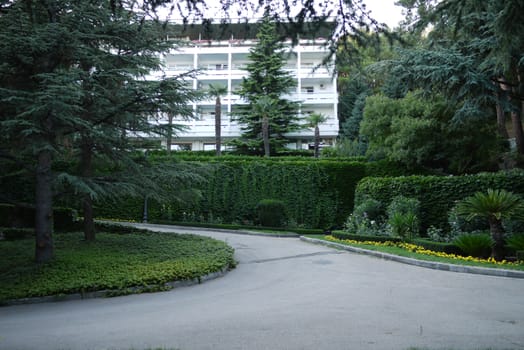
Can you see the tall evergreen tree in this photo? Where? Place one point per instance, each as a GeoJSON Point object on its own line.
{"type": "Point", "coordinates": [476, 55]}
{"type": "Point", "coordinates": [267, 78]}
{"type": "Point", "coordinates": [72, 76]}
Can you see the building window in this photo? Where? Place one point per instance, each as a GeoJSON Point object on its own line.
{"type": "Point", "coordinates": [308, 89]}
{"type": "Point", "coordinates": [181, 146]}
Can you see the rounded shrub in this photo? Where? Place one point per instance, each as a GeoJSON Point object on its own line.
{"type": "Point", "coordinates": [271, 212]}
{"type": "Point", "coordinates": [403, 217]}
{"type": "Point", "coordinates": [475, 245]}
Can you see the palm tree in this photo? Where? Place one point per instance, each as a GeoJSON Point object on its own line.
{"type": "Point", "coordinates": [494, 205]}
{"type": "Point", "coordinates": [216, 91]}
{"type": "Point", "coordinates": [265, 107]}
{"type": "Point", "coordinates": [314, 120]}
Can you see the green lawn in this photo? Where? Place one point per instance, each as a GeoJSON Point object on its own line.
{"type": "Point", "coordinates": [114, 262]}
{"type": "Point", "coordinates": [406, 253]}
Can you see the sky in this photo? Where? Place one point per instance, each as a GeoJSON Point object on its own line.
{"type": "Point", "coordinates": [385, 11]}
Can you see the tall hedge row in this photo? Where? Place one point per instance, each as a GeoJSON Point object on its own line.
{"type": "Point", "coordinates": [437, 194]}
{"type": "Point", "coordinates": [317, 193]}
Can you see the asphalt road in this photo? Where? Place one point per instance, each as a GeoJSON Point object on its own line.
{"type": "Point", "coordinates": [287, 294]}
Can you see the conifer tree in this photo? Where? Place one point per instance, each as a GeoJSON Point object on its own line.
{"type": "Point", "coordinates": [73, 77]}
{"type": "Point", "coordinates": [267, 78]}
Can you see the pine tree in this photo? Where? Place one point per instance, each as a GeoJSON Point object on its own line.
{"type": "Point", "coordinates": [267, 78]}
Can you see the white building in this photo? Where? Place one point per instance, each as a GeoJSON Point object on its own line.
{"type": "Point", "coordinates": [223, 62]}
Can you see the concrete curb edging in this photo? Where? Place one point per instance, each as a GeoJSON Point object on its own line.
{"type": "Point", "coordinates": [212, 229]}
{"type": "Point", "coordinates": [421, 263]}
{"type": "Point", "coordinates": [108, 292]}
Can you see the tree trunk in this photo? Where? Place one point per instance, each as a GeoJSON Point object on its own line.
{"type": "Point", "coordinates": [497, 233]}
{"type": "Point", "coordinates": [86, 169]}
{"type": "Point", "coordinates": [317, 141]}
{"type": "Point", "coordinates": [265, 135]}
{"type": "Point", "coordinates": [501, 119]}
{"type": "Point", "coordinates": [169, 137]}
{"type": "Point", "coordinates": [516, 117]}
{"type": "Point", "coordinates": [516, 122]}
{"type": "Point", "coordinates": [44, 208]}
{"type": "Point", "coordinates": [218, 126]}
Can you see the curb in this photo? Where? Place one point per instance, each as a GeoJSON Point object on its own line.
{"type": "Point", "coordinates": [108, 293]}
{"type": "Point", "coordinates": [421, 263]}
{"type": "Point", "coordinates": [192, 228]}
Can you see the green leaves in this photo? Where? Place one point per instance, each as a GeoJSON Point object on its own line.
{"type": "Point", "coordinates": [115, 262]}
{"type": "Point", "coordinates": [420, 131]}
{"type": "Point", "coordinates": [496, 204]}
{"type": "Point", "coordinates": [476, 245]}
{"type": "Point", "coordinates": [263, 89]}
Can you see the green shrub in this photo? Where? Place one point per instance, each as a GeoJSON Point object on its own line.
{"type": "Point", "coordinates": [145, 261]}
{"type": "Point", "coordinates": [367, 219]}
{"type": "Point", "coordinates": [66, 219]}
{"type": "Point", "coordinates": [24, 217]}
{"type": "Point", "coordinates": [476, 245]}
{"type": "Point", "coordinates": [402, 217]}
{"type": "Point", "coordinates": [363, 238]}
{"type": "Point", "coordinates": [371, 209]}
{"type": "Point", "coordinates": [459, 225]}
{"type": "Point", "coordinates": [271, 212]}
{"type": "Point", "coordinates": [516, 242]}
{"type": "Point", "coordinates": [444, 247]}
{"type": "Point", "coordinates": [403, 205]}
{"type": "Point", "coordinates": [437, 194]}
{"type": "Point", "coordinates": [11, 233]}
{"type": "Point", "coordinates": [436, 234]}
{"type": "Point", "coordinates": [520, 255]}
{"type": "Point", "coordinates": [404, 225]}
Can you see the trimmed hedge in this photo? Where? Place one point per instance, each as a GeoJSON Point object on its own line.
{"type": "Point", "coordinates": [11, 234]}
{"type": "Point", "coordinates": [437, 194]}
{"type": "Point", "coordinates": [232, 227]}
{"type": "Point", "coordinates": [448, 248]}
{"type": "Point", "coordinates": [24, 217]}
{"type": "Point", "coordinates": [364, 238]}
{"type": "Point", "coordinates": [316, 193]}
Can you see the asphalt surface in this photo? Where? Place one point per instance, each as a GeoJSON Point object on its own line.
{"type": "Point", "coordinates": [287, 294]}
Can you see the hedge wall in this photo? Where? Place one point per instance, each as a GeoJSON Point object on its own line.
{"type": "Point", "coordinates": [437, 194]}
{"type": "Point", "coordinates": [24, 217]}
{"type": "Point", "coordinates": [317, 193]}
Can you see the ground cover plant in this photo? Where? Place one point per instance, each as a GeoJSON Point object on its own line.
{"type": "Point", "coordinates": [418, 252]}
{"type": "Point", "coordinates": [115, 262]}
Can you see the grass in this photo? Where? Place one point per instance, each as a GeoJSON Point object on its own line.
{"type": "Point", "coordinates": [410, 254]}
{"type": "Point", "coordinates": [113, 262]}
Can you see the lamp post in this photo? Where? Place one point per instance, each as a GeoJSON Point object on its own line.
{"type": "Point", "coordinates": [144, 219]}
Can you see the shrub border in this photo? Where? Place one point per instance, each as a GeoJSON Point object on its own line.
{"type": "Point", "coordinates": [420, 263]}
{"type": "Point", "coordinates": [117, 292]}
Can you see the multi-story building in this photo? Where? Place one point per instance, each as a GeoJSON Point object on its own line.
{"type": "Point", "coordinates": [222, 61]}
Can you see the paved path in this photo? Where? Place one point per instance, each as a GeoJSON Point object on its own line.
{"type": "Point", "coordinates": [287, 294]}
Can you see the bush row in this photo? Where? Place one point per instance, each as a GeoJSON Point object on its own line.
{"type": "Point", "coordinates": [437, 194]}
{"type": "Point", "coordinates": [365, 238]}
{"type": "Point", "coordinates": [430, 245]}
{"type": "Point", "coordinates": [24, 217]}
{"type": "Point", "coordinates": [316, 193]}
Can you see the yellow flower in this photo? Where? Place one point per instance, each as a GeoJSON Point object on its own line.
{"type": "Point", "coordinates": [421, 250]}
